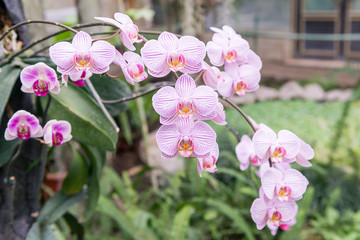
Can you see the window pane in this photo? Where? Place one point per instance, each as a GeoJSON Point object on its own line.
{"type": "Point", "coordinates": [319, 27]}
{"type": "Point", "coordinates": [355, 5]}
{"type": "Point", "coordinates": [320, 5]}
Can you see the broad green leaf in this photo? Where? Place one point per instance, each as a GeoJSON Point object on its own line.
{"type": "Point", "coordinates": [40, 232]}
{"type": "Point", "coordinates": [234, 215]}
{"type": "Point", "coordinates": [107, 207]}
{"type": "Point", "coordinates": [181, 223]}
{"type": "Point", "coordinates": [74, 225]}
{"type": "Point", "coordinates": [77, 175]}
{"type": "Point", "coordinates": [56, 206]}
{"type": "Point", "coordinates": [8, 77]}
{"type": "Point", "coordinates": [7, 150]}
{"type": "Point", "coordinates": [88, 122]}
{"type": "Point", "coordinates": [111, 89]}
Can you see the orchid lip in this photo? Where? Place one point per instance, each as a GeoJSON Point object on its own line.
{"type": "Point", "coordinates": [82, 61]}
{"type": "Point", "coordinates": [186, 147]}
{"type": "Point", "coordinates": [57, 138]}
{"type": "Point", "coordinates": [274, 217]}
{"type": "Point", "coordinates": [23, 131]}
{"type": "Point", "coordinates": [240, 88]}
{"type": "Point", "coordinates": [278, 154]}
{"type": "Point", "coordinates": [136, 71]}
{"type": "Point", "coordinates": [209, 164]}
{"type": "Point", "coordinates": [41, 87]}
{"type": "Point", "coordinates": [176, 61]}
{"type": "Point", "coordinates": [230, 56]}
{"type": "Point", "coordinates": [185, 108]}
{"type": "Point", "coordinates": [284, 193]}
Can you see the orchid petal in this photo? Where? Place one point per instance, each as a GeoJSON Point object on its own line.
{"type": "Point", "coordinates": [185, 86]}
{"type": "Point", "coordinates": [205, 100]}
{"type": "Point", "coordinates": [263, 139]}
{"type": "Point", "coordinates": [111, 21]}
{"type": "Point", "coordinates": [167, 138]}
{"type": "Point", "coordinates": [258, 212]}
{"type": "Point", "coordinates": [62, 54]}
{"type": "Point", "coordinates": [127, 41]}
{"type": "Point", "coordinates": [82, 41]}
{"type": "Point", "coordinates": [165, 101]}
{"type": "Point", "coordinates": [204, 138]}
{"type": "Point", "coordinates": [269, 180]}
{"type": "Point", "coordinates": [169, 41]}
{"type": "Point", "coordinates": [154, 56]}
{"type": "Point", "coordinates": [290, 142]}
{"type": "Point", "coordinates": [123, 18]}
{"type": "Point", "coordinates": [103, 53]}
{"type": "Point", "coordinates": [192, 48]}
{"type": "Point", "coordinates": [296, 181]}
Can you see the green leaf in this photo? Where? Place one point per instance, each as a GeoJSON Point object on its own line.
{"type": "Point", "coordinates": [77, 175]}
{"type": "Point", "coordinates": [96, 159]}
{"type": "Point", "coordinates": [7, 150]}
{"type": "Point", "coordinates": [56, 206]}
{"type": "Point", "coordinates": [111, 89]}
{"type": "Point", "coordinates": [181, 223]}
{"type": "Point", "coordinates": [8, 77]}
{"type": "Point", "coordinates": [75, 226]}
{"type": "Point", "coordinates": [234, 215]}
{"type": "Point", "coordinates": [88, 122]}
{"type": "Point", "coordinates": [40, 232]}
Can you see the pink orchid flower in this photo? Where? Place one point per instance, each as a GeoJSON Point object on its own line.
{"type": "Point", "coordinates": [280, 166]}
{"type": "Point", "coordinates": [193, 139]}
{"type": "Point", "coordinates": [220, 115]}
{"type": "Point", "coordinates": [213, 76]}
{"type": "Point", "coordinates": [185, 101]}
{"type": "Point", "coordinates": [245, 153]}
{"type": "Point", "coordinates": [285, 186]}
{"type": "Point", "coordinates": [39, 79]}
{"type": "Point", "coordinates": [57, 132]}
{"type": "Point", "coordinates": [228, 47]}
{"type": "Point", "coordinates": [132, 66]}
{"type": "Point", "coordinates": [283, 147]}
{"type": "Point", "coordinates": [82, 55]}
{"type": "Point", "coordinates": [242, 79]}
{"type": "Point", "coordinates": [272, 213]}
{"type": "Point", "coordinates": [23, 125]}
{"type": "Point", "coordinates": [78, 78]}
{"type": "Point", "coordinates": [169, 53]}
{"type": "Point", "coordinates": [129, 31]}
{"type": "Point", "coordinates": [208, 164]}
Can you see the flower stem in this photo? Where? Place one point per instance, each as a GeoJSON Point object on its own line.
{"type": "Point", "coordinates": [240, 111]}
{"type": "Point", "coordinates": [101, 105]}
{"type": "Point", "coordinates": [107, 38]}
{"type": "Point", "coordinates": [156, 86]}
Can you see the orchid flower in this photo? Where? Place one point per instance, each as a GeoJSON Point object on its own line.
{"type": "Point", "coordinates": [213, 76]}
{"type": "Point", "coordinates": [285, 186]}
{"type": "Point", "coordinates": [193, 139]}
{"type": "Point", "coordinates": [82, 55]}
{"type": "Point", "coordinates": [39, 79]}
{"type": "Point", "coordinates": [208, 164]}
{"type": "Point", "coordinates": [185, 101]}
{"type": "Point", "coordinates": [78, 78]}
{"type": "Point", "coordinates": [129, 31]}
{"type": "Point", "coordinates": [283, 147]}
{"type": "Point", "coordinates": [245, 153]}
{"type": "Point", "coordinates": [57, 132]}
{"type": "Point", "coordinates": [169, 53]}
{"type": "Point", "coordinates": [305, 154]}
{"type": "Point", "coordinates": [220, 115]}
{"type": "Point", "coordinates": [23, 125]}
{"type": "Point", "coordinates": [242, 79]}
{"type": "Point", "coordinates": [132, 66]}
{"type": "Point", "coordinates": [272, 213]}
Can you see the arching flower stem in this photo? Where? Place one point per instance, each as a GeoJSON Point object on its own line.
{"type": "Point", "coordinates": [107, 38]}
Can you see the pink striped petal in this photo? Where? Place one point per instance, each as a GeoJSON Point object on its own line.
{"type": "Point", "coordinates": [243, 152]}
{"type": "Point", "coordinates": [111, 21]}
{"type": "Point", "coordinates": [205, 100]}
{"type": "Point", "coordinates": [209, 116]}
{"type": "Point", "coordinates": [102, 53]}
{"type": "Point", "coordinates": [258, 212]}
{"type": "Point", "coordinates": [82, 41]}
{"type": "Point", "coordinates": [225, 87]}
{"type": "Point", "coordinates": [269, 180]}
{"type": "Point", "coordinates": [29, 75]}
{"type": "Point", "coordinates": [220, 115]}
{"type": "Point", "coordinates": [306, 150]}
{"type": "Point", "coordinates": [204, 138]}
{"type": "Point", "coordinates": [185, 86]}
{"type": "Point", "coordinates": [127, 41]}
{"type": "Point", "coordinates": [290, 142]}
{"type": "Point", "coordinates": [169, 41]}
{"type": "Point", "coordinates": [62, 54]}
{"type": "Point", "coordinates": [192, 48]}
{"type": "Point", "coordinates": [287, 209]}
{"type": "Point", "coordinates": [119, 59]}
{"type": "Point", "coordinates": [251, 76]}
{"type": "Point", "coordinates": [132, 57]}
{"type": "Point", "coordinates": [296, 181]}
{"type": "Point", "coordinates": [263, 139]}
{"type": "Point", "coordinates": [167, 138]}
{"type": "Point", "coordinates": [154, 56]}
{"type": "Point", "coordinates": [123, 18]}
{"type": "Point", "coordinates": [215, 54]}
{"type": "Point", "coordinates": [191, 68]}
{"type": "Point", "coordinates": [211, 77]}
{"type": "Point", "coordinates": [165, 101]}
{"type": "Point", "coordinates": [254, 60]}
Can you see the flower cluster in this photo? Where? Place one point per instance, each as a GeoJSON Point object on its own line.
{"type": "Point", "coordinates": [281, 185]}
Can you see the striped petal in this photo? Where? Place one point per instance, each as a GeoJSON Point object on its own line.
{"type": "Point", "coordinates": [205, 100]}
{"type": "Point", "coordinates": [102, 53]}
{"type": "Point", "coordinates": [82, 41]}
{"type": "Point", "coordinates": [165, 101]}
{"type": "Point", "coordinates": [204, 138]}
{"type": "Point", "coordinates": [167, 138]}
{"type": "Point", "coordinates": [185, 86]}
{"type": "Point", "coordinates": [62, 54]}
{"type": "Point", "coordinates": [169, 41]}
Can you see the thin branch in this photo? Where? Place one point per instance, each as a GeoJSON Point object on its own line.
{"type": "Point", "coordinates": [134, 95]}
{"type": "Point", "coordinates": [236, 134]}
{"type": "Point", "coordinates": [46, 109]}
{"type": "Point", "coordinates": [240, 111]}
{"type": "Point", "coordinates": [156, 33]}
{"type": "Point", "coordinates": [107, 38]}
{"type": "Point", "coordinates": [99, 101]}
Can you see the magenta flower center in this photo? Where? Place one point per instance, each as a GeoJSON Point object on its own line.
{"type": "Point", "coordinates": [132, 32]}
{"type": "Point", "coordinates": [57, 138]}
{"type": "Point", "coordinates": [284, 193]}
{"type": "Point", "coordinates": [255, 161]}
{"type": "Point", "coordinates": [240, 87]}
{"type": "Point", "coordinates": [185, 108]}
{"type": "Point", "coordinates": [209, 164]}
{"type": "Point", "coordinates": [23, 131]}
{"type": "Point", "coordinates": [185, 147]}
{"type": "Point", "coordinates": [82, 61]}
{"type": "Point", "coordinates": [230, 56]}
{"type": "Point", "coordinates": [278, 154]}
{"type": "Point", "coordinates": [176, 61]}
{"type": "Point", "coordinates": [274, 217]}
{"type": "Point", "coordinates": [41, 87]}
{"type": "Point", "coordinates": [135, 71]}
